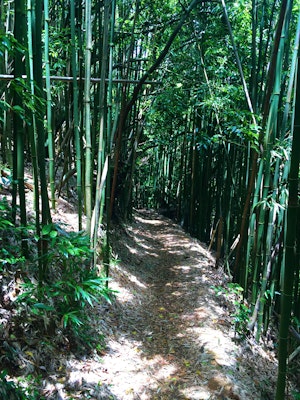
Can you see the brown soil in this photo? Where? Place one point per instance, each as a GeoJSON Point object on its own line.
{"type": "Point", "coordinates": [170, 336]}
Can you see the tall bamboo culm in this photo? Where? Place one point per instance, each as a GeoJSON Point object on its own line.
{"type": "Point", "coordinates": [76, 115]}
{"type": "Point", "coordinates": [49, 106]}
{"type": "Point", "coordinates": [87, 116]}
{"type": "Point", "coordinates": [290, 249]}
{"type": "Point", "coordinates": [18, 124]}
{"type": "Point", "coordinates": [37, 13]}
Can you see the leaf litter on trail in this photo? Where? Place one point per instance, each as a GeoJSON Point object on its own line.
{"type": "Point", "coordinates": [168, 335]}
{"type": "Point", "coordinates": [184, 331]}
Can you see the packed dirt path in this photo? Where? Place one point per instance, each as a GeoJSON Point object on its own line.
{"type": "Point", "coordinates": [169, 336]}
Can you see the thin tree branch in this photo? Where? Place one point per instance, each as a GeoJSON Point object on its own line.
{"type": "Point", "coordinates": [5, 77]}
{"type": "Point", "coordinates": [160, 58]}
{"type": "Point", "coordinates": [239, 64]}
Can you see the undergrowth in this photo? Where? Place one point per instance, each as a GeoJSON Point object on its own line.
{"type": "Point", "coordinates": [241, 311]}
{"type": "Point", "coordinates": [22, 390]}
{"type": "Point", "coordinates": [57, 311]}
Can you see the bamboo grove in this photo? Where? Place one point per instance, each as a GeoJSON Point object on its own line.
{"type": "Point", "coordinates": [191, 108]}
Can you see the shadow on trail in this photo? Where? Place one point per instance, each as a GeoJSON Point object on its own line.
{"type": "Point", "coordinates": [165, 270]}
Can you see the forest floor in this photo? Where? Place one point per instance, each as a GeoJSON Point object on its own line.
{"type": "Point", "coordinates": [170, 333]}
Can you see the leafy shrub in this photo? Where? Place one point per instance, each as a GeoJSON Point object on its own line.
{"type": "Point", "coordinates": [241, 312]}
{"type": "Point", "coordinates": [70, 287]}
{"type": "Point", "coordinates": [9, 254]}
{"type": "Point", "coordinates": [12, 391]}
{"type": "Point", "coordinates": [71, 283]}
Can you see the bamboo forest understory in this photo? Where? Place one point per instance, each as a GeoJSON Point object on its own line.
{"type": "Point", "coordinates": [190, 109]}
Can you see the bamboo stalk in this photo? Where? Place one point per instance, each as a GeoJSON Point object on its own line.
{"type": "Point", "coordinates": [49, 107]}
{"type": "Point", "coordinates": [87, 114]}
{"type": "Point", "coordinates": [289, 262]}
{"type": "Point", "coordinates": [100, 184]}
{"type": "Point", "coordinates": [18, 135]}
{"type": "Point", "coordinates": [32, 128]}
{"type": "Point", "coordinates": [78, 157]}
{"type": "Point", "coordinates": [109, 135]}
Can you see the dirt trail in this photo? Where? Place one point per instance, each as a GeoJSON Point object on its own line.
{"type": "Point", "coordinates": [170, 336]}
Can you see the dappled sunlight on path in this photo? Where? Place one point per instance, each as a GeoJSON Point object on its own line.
{"type": "Point", "coordinates": [171, 337]}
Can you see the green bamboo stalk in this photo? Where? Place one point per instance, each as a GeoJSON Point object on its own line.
{"type": "Point", "coordinates": [263, 183]}
{"type": "Point", "coordinates": [272, 67]}
{"type": "Point", "coordinates": [265, 241]}
{"type": "Point", "coordinates": [239, 64]}
{"type": "Point", "coordinates": [38, 76]}
{"type": "Point", "coordinates": [289, 261]}
{"type": "Point", "coordinates": [7, 128]}
{"type": "Point", "coordinates": [40, 113]}
{"type": "Point", "coordinates": [230, 185]}
{"type": "Point", "coordinates": [109, 136]}
{"type": "Point", "coordinates": [100, 189]}
{"type": "Point", "coordinates": [87, 109]}
{"type": "Point", "coordinates": [49, 107]}
{"type": "Point", "coordinates": [296, 305]}
{"type": "Point", "coordinates": [78, 160]}
{"type": "Point", "coordinates": [265, 35]}
{"type": "Point", "coordinates": [253, 78]}
{"type": "Point", "coordinates": [182, 175]}
{"type": "Point", "coordinates": [291, 80]}
{"type": "Point", "coordinates": [32, 130]}
{"type": "Point", "coordinates": [255, 182]}
{"type": "Point", "coordinates": [193, 182]}
{"type": "Point", "coordinates": [18, 153]}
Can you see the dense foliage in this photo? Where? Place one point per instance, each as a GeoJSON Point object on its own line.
{"type": "Point", "coordinates": [190, 108]}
